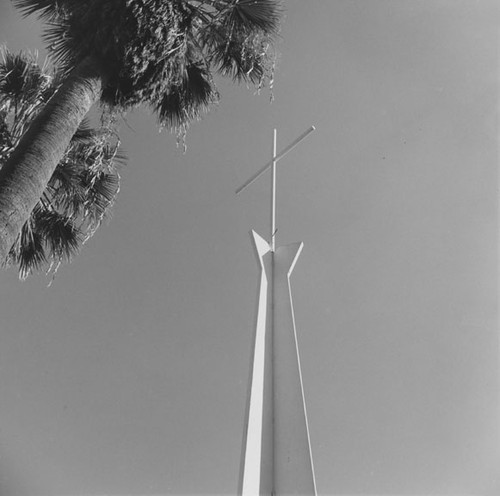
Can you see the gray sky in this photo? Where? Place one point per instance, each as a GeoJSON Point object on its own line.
{"type": "Point", "coordinates": [128, 375]}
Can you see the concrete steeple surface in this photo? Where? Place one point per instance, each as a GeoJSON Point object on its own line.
{"type": "Point", "coordinates": [277, 456]}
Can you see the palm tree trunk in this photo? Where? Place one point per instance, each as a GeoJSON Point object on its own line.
{"type": "Point", "coordinates": [28, 170]}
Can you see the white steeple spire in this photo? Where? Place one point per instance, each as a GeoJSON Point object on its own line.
{"type": "Point", "coordinates": [277, 457]}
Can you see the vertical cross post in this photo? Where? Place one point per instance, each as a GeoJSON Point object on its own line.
{"type": "Point", "coordinates": [273, 196]}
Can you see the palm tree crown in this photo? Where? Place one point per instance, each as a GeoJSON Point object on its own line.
{"type": "Point", "coordinates": [84, 183]}
{"type": "Point", "coordinates": [160, 52]}
{"type": "Point", "coordinates": [163, 53]}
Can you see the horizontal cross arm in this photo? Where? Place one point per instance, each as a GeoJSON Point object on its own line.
{"type": "Point", "coordinates": [275, 159]}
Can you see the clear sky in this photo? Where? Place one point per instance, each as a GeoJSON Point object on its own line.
{"type": "Point", "coordinates": [128, 375]}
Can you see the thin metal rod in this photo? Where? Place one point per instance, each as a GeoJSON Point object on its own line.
{"type": "Point", "coordinates": [273, 194]}
{"type": "Point", "coordinates": [275, 159]}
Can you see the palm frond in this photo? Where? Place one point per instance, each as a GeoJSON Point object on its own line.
{"type": "Point", "coordinates": [65, 188]}
{"type": "Point", "coordinates": [29, 251]}
{"type": "Point", "coordinates": [243, 58]}
{"type": "Point", "coordinates": [114, 157]}
{"type": "Point", "coordinates": [187, 100]}
{"type": "Point", "coordinates": [58, 232]}
{"type": "Point", "coordinates": [249, 15]}
{"type": "Point", "coordinates": [102, 191]}
{"type": "Point", "coordinates": [20, 77]}
{"type": "Point", "coordinates": [63, 52]}
{"type": "Point", "coordinates": [56, 79]}
{"type": "Point", "coordinates": [87, 28]}
{"type": "Point", "coordinates": [46, 9]}
{"type": "Point", "coordinates": [86, 183]}
{"type": "Point", "coordinates": [6, 139]}
{"type": "Point", "coordinates": [86, 134]}
{"type": "Point", "coordinates": [198, 86]}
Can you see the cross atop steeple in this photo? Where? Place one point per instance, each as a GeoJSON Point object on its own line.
{"type": "Point", "coordinates": [272, 165]}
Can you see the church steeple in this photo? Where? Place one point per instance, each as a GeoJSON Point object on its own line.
{"type": "Point", "coordinates": [277, 458]}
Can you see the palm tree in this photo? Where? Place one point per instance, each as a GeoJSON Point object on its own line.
{"type": "Point", "coordinates": [84, 183]}
{"type": "Point", "coordinates": [128, 52]}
